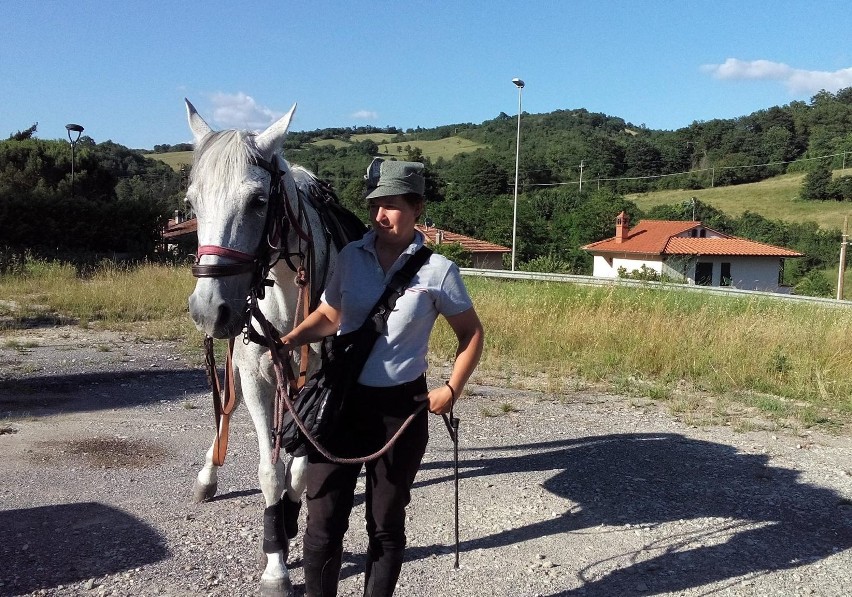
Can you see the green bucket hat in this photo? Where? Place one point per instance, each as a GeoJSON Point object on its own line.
{"type": "Point", "coordinates": [386, 178]}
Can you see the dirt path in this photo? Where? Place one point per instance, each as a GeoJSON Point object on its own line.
{"type": "Point", "coordinates": [580, 494]}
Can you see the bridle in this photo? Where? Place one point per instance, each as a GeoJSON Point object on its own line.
{"type": "Point", "coordinates": [280, 217]}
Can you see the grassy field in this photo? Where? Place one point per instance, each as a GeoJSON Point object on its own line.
{"type": "Point", "coordinates": [775, 198]}
{"type": "Point", "coordinates": [744, 362]}
{"type": "Point", "coordinates": [175, 159]}
{"type": "Point", "coordinates": [442, 148]}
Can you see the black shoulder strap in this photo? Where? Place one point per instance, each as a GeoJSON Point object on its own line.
{"type": "Point", "coordinates": [396, 287]}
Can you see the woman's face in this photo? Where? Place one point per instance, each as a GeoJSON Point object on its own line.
{"type": "Point", "coordinates": [393, 218]}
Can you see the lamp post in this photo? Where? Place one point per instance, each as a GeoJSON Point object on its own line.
{"type": "Point", "coordinates": [73, 128]}
{"type": "Point", "coordinates": [520, 85]}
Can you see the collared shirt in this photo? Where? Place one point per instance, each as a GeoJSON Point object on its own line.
{"type": "Point", "coordinates": [358, 281]}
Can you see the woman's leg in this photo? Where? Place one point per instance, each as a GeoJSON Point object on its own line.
{"type": "Point", "coordinates": [388, 492]}
{"type": "Point", "coordinates": [329, 498]}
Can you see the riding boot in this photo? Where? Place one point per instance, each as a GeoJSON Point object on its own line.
{"type": "Point", "coordinates": [382, 572]}
{"type": "Point", "coordinates": [290, 511]}
{"type": "Point", "coordinates": [322, 571]}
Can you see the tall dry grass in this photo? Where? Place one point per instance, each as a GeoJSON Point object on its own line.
{"type": "Point", "coordinates": [764, 352]}
{"type": "Point", "coordinates": [722, 345]}
{"type": "Point", "coordinates": [152, 297]}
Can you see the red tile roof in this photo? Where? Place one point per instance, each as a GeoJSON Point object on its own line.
{"type": "Point", "coordinates": [660, 237]}
{"type": "Point", "coordinates": [177, 229]}
{"type": "Point", "coordinates": [471, 245]}
{"type": "Point", "coordinates": [725, 246]}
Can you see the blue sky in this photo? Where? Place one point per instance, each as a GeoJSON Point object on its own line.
{"type": "Point", "coordinates": [121, 69]}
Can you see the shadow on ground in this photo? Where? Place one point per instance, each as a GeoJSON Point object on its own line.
{"type": "Point", "coordinates": [763, 518]}
{"type": "Point", "coordinates": [70, 543]}
{"type": "Point", "coordinates": [84, 392]}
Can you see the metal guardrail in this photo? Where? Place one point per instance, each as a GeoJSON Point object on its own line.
{"type": "Point", "coordinates": [593, 281]}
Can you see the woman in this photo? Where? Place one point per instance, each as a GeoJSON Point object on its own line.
{"type": "Point", "coordinates": [391, 385]}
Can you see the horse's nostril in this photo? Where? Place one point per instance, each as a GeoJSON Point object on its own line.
{"type": "Point", "coordinates": [223, 315]}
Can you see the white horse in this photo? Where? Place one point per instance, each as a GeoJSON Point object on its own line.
{"type": "Point", "coordinates": [257, 217]}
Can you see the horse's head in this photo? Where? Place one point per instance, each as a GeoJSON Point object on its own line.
{"type": "Point", "coordinates": [229, 191]}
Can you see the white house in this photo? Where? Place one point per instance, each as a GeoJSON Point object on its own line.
{"type": "Point", "coordinates": [690, 252]}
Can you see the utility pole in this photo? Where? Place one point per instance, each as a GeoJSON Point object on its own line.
{"type": "Point", "coordinates": [842, 268]}
{"type": "Point", "coordinates": [582, 162]}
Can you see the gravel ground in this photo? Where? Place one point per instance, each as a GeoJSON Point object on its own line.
{"type": "Point", "coordinates": [578, 494]}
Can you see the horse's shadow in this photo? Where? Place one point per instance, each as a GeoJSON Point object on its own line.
{"type": "Point", "coordinates": [63, 544]}
{"type": "Point", "coordinates": [764, 519]}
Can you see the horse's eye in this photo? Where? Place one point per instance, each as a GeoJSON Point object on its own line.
{"type": "Point", "coordinates": [257, 200]}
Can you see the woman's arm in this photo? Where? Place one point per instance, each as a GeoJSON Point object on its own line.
{"type": "Point", "coordinates": [323, 321]}
{"type": "Point", "coordinates": [471, 337]}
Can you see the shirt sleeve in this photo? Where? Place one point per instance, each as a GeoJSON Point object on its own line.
{"type": "Point", "coordinates": [453, 298]}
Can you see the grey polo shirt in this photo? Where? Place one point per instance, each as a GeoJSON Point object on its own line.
{"type": "Point", "coordinates": [358, 281]}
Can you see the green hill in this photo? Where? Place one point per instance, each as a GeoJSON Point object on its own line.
{"type": "Point", "coordinates": [774, 198]}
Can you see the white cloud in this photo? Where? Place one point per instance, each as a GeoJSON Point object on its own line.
{"type": "Point", "coordinates": [365, 115]}
{"type": "Point", "coordinates": [241, 111]}
{"type": "Point", "coordinates": [796, 80]}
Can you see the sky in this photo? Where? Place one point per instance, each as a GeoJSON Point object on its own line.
{"type": "Point", "coordinates": [122, 69]}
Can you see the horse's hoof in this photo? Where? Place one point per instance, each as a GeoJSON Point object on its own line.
{"type": "Point", "coordinates": [202, 493]}
{"type": "Point", "coordinates": [281, 587]}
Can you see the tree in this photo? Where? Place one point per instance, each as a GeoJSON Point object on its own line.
{"type": "Point", "coordinates": [26, 134]}
{"type": "Point", "coordinates": [817, 183]}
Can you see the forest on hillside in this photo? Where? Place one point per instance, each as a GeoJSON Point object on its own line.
{"type": "Point", "coordinates": [575, 168]}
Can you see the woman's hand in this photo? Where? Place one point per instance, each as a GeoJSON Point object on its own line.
{"type": "Point", "coordinates": [440, 400]}
{"type": "Point", "coordinates": [285, 348]}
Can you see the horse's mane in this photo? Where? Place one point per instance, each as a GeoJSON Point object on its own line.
{"type": "Point", "coordinates": [222, 153]}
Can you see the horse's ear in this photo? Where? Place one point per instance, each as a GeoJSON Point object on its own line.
{"type": "Point", "coordinates": [271, 141]}
{"type": "Point", "coordinates": [197, 125]}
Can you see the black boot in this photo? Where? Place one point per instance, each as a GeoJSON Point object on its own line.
{"type": "Point", "coordinates": [290, 512]}
{"type": "Point", "coordinates": [322, 571]}
{"type": "Point", "coordinates": [382, 572]}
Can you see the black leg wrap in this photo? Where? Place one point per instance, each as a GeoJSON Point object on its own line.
{"type": "Point", "coordinates": [290, 510]}
{"type": "Point", "coordinates": [274, 536]}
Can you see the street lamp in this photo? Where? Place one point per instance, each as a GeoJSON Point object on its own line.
{"type": "Point", "coordinates": [520, 85]}
{"type": "Point", "coordinates": [73, 128]}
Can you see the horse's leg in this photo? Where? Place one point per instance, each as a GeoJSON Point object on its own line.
{"type": "Point", "coordinates": [206, 483]}
{"type": "Point", "coordinates": [207, 479]}
{"type": "Point", "coordinates": [258, 394]}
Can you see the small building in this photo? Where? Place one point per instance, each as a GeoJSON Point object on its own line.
{"type": "Point", "coordinates": [690, 252]}
{"type": "Point", "coordinates": [484, 255]}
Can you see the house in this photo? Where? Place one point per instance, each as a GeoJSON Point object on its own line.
{"type": "Point", "coordinates": [483, 254]}
{"type": "Point", "coordinates": [690, 252]}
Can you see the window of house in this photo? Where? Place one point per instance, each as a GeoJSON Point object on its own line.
{"type": "Point", "coordinates": [704, 273]}
{"type": "Point", "coordinates": [703, 233]}
{"type": "Point", "coordinates": [725, 274]}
